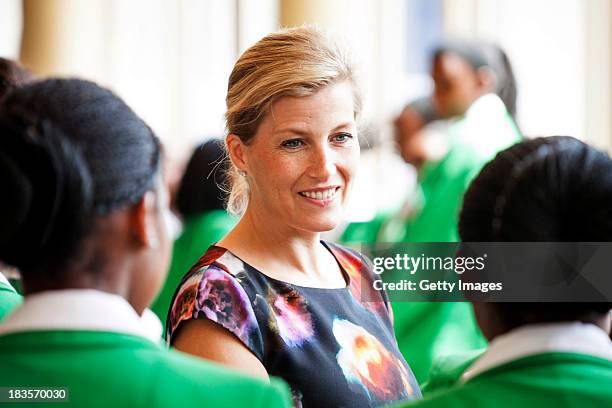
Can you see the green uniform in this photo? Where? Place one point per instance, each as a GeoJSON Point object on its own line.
{"type": "Point", "coordinates": [198, 234]}
{"type": "Point", "coordinates": [9, 299]}
{"type": "Point", "coordinates": [425, 330]}
{"type": "Point", "coordinates": [103, 369]}
{"type": "Point", "coordinates": [552, 380]}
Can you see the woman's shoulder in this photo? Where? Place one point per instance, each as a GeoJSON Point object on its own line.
{"type": "Point", "coordinates": [356, 264]}
{"type": "Point", "coordinates": [345, 254]}
{"type": "Point", "coordinates": [362, 279]}
{"type": "Point", "coordinates": [214, 288]}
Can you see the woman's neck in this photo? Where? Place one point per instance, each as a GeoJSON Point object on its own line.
{"type": "Point", "coordinates": [283, 253]}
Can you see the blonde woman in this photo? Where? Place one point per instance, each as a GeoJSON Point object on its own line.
{"type": "Point", "coordinates": [271, 298]}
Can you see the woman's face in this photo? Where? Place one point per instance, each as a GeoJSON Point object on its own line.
{"type": "Point", "coordinates": [301, 163]}
{"type": "Point", "coordinates": [456, 84]}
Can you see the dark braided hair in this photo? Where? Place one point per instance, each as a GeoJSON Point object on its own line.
{"type": "Point", "coordinates": [69, 152]}
{"type": "Point", "coordinates": [553, 189]}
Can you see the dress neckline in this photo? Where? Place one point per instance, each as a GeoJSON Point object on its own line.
{"type": "Point", "coordinates": [326, 245]}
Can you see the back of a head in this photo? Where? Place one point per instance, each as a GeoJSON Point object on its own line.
{"type": "Point", "coordinates": [69, 151]}
{"type": "Point", "coordinates": [290, 62]}
{"type": "Point", "coordinates": [200, 189]}
{"type": "Point", "coordinates": [554, 189]}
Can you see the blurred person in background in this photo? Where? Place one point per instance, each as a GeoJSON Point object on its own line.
{"type": "Point", "coordinates": [12, 76]}
{"type": "Point", "coordinates": [86, 224]}
{"type": "Point", "coordinates": [272, 298]}
{"type": "Point", "coordinates": [200, 202]}
{"type": "Point", "coordinates": [541, 354]}
{"type": "Point", "coordinates": [475, 90]}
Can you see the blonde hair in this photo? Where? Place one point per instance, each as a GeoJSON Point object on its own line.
{"type": "Point", "coordinates": [291, 62]}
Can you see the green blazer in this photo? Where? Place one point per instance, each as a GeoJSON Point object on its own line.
{"type": "Point", "coordinates": [427, 330]}
{"type": "Point", "coordinates": [552, 379]}
{"type": "Point", "coordinates": [9, 299]}
{"type": "Point", "coordinates": [103, 369]}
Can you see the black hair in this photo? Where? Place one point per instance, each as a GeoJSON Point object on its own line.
{"type": "Point", "coordinates": [200, 188]}
{"type": "Point", "coordinates": [70, 151]}
{"type": "Point", "coordinates": [424, 106]}
{"type": "Point", "coordinates": [481, 54]}
{"type": "Point", "coordinates": [12, 75]}
{"type": "Point", "coordinates": [553, 189]}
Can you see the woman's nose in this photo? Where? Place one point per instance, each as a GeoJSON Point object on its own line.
{"type": "Point", "coordinates": [323, 163]}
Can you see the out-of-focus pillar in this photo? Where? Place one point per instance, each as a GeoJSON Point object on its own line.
{"type": "Point", "coordinates": [330, 14]}
{"type": "Point", "coordinates": [42, 35]}
{"type": "Point", "coordinates": [66, 37]}
{"type": "Point", "coordinates": [460, 17]}
{"type": "Point", "coordinates": [598, 73]}
{"type": "Point", "coordinates": [10, 28]}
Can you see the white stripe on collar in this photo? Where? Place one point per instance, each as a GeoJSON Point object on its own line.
{"type": "Point", "coordinates": [81, 309]}
{"type": "Point", "coordinates": [574, 337]}
{"type": "Point", "coordinates": [4, 280]}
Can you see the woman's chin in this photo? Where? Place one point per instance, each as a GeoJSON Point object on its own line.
{"type": "Point", "coordinates": [321, 225]}
{"type": "Point", "coordinates": [318, 225]}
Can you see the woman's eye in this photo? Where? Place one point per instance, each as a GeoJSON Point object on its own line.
{"type": "Point", "coordinates": [342, 137]}
{"type": "Point", "coordinates": [292, 144]}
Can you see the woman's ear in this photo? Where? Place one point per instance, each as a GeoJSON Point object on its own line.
{"type": "Point", "coordinates": [236, 149]}
{"type": "Point", "coordinates": [143, 221]}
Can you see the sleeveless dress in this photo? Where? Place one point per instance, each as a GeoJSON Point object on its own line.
{"type": "Point", "coordinates": [334, 347]}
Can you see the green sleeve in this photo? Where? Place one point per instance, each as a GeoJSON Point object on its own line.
{"type": "Point", "coordinates": [446, 371]}
{"type": "Point", "coordinates": [9, 300]}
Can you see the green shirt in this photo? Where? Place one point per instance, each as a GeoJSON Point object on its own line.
{"type": "Point", "coordinates": [104, 369]}
{"type": "Point", "coordinates": [9, 299]}
{"type": "Point", "coordinates": [198, 234]}
{"type": "Point", "coordinates": [555, 380]}
{"type": "Point", "coordinates": [427, 330]}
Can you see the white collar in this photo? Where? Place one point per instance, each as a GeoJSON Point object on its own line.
{"type": "Point", "coordinates": [486, 105]}
{"type": "Point", "coordinates": [574, 337]}
{"type": "Point", "coordinates": [81, 309]}
{"type": "Point", "coordinates": [4, 280]}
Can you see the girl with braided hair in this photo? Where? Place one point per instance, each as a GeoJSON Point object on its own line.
{"type": "Point", "coordinates": [83, 217]}
{"type": "Point", "coordinates": [555, 189]}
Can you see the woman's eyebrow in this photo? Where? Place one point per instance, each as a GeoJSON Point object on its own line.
{"type": "Point", "coordinates": [301, 131]}
{"type": "Point", "coordinates": [343, 126]}
{"type": "Point", "coordinates": [293, 130]}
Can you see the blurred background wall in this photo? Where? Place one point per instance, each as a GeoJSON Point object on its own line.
{"type": "Point", "coordinates": [170, 59]}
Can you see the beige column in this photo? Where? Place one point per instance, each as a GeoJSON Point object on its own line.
{"type": "Point", "coordinates": [65, 37]}
{"type": "Point", "coordinates": [10, 28]}
{"type": "Point", "coordinates": [598, 73]}
{"type": "Point", "coordinates": [326, 13]}
{"type": "Point", "coordinates": [460, 17]}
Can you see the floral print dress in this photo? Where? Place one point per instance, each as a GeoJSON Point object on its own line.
{"type": "Point", "coordinates": [332, 347]}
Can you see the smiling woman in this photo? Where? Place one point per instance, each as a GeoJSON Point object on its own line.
{"type": "Point", "coordinates": [271, 298]}
{"type": "Point", "coordinates": [302, 160]}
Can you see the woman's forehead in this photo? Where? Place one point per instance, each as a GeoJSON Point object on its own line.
{"type": "Point", "coordinates": [332, 107]}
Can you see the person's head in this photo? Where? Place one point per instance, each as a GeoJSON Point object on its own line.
{"type": "Point", "coordinates": [200, 189]}
{"type": "Point", "coordinates": [292, 106]}
{"type": "Point", "coordinates": [408, 126]}
{"type": "Point", "coordinates": [463, 71]}
{"type": "Point", "coordinates": [12, 75]}
{"type": "Point", "coordinates": [83, 202]}
{"type": "Point", "coordinates": [554, 189]}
